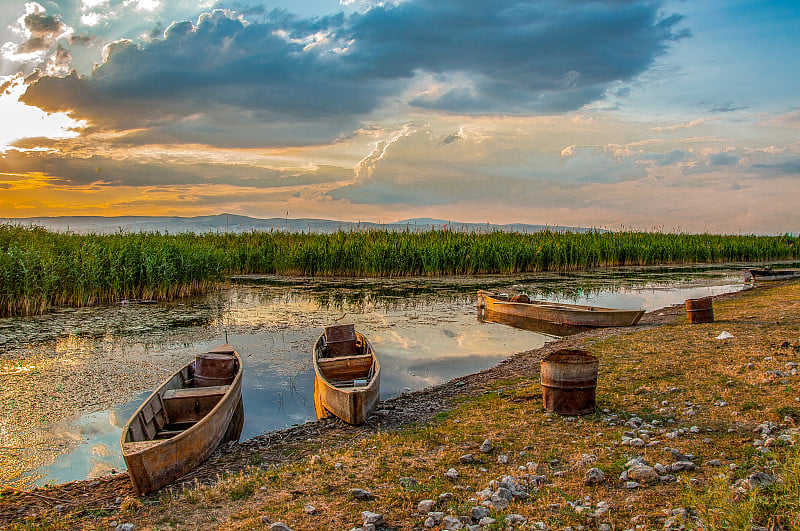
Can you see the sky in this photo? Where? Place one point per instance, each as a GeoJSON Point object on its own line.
{"type": "Point", "coordinates": [663, 115]}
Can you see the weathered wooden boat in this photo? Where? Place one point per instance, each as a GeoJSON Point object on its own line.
{"type": "Point", "coordinates": [546, 328]}
{"type": "Point", "coordinates": [557, 312]}
{"type": "Point", "coordinates": [767, 274]}
{"type": "Point", "coordinates": [347, 375]}
{"type": "Point", "coordinates": [183, 421]}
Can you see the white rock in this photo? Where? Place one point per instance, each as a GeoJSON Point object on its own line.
{"type": "Point", "coordinates": [425, 506]}
{"type": "Point", "coordinates": [479, 513]}
{"type": "Point", "coordinates": [451, 523]}
{"type": "Point", "coordinates": [361, 494]}
{"type": "Point", "coordinates": [642, 473]}
{"type": "Point", "coordinates": [486, 446]}
{"type": "Point", "coordinates": [594, 476]}
{"type": "Point", "coordinates": [725, 335]}
{"type": "Point", "coordinates": [369, 517]}
{"type": "Point", "coordinates": [451, 474]}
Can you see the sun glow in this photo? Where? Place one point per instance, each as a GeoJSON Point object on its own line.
{"type": "Point", "coordinates": [31, 122]}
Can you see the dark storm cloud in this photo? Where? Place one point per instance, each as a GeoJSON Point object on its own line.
{"type": "Point", "coordinates": [489, 57]}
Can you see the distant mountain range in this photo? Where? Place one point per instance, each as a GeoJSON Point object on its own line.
{"type": "Point", "coordinates": [235, 224]}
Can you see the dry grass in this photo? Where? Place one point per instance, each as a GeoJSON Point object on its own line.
{"type": "Point", "coordinates": [674, 376]}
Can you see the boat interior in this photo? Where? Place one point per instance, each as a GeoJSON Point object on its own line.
{"type": "Point", "coordinates": [178, 405]}
{"type": "Point", "coordinates": [343, 358]}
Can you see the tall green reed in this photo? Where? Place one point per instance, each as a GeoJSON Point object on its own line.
{"type": "Point", "coordinates": [41, 269]}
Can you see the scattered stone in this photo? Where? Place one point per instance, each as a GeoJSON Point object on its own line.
{"type": "Point", "coordinates": [425, 506]}
{"type": "Point", "coordinates": [361, 494]}
{"type": "Point", "coordinates": [477, 513]}
{"type": "Point", "coordinates": [370, 518]}
{"type": "Point", "coordinates": [680, 466]}
{"type": "Point", "coordinates": [125, 527]}
{"type": "Point", "coordinates": [502, 459]}
{"type": "Point", "coordinates": [631, 485]}
{"type": "Point", "coordinates": [279, 526]}
{"type": "Point", "coordinates": [715, 463]}
{"type": "Point", "coordinates": [760, 479]}
{"type": "Point", "coordinates": [468, 458]}
{"type": "Point", "coordinates": [452, 523]}
{"type": "Point", "coordinates": [486, 446]}
{"type": "Point", "coordinates": [594, 476]}
{"type": "Point", "coordinates": [437, 517]}
{"type": "Point", "coordinates": [451, 474]}
{"type": "Point", "coordinates": [642, 473]}
{"type": "Point", "coordinates": [444, 497]}
{"type": "Point", "coordinates": [486, 521]}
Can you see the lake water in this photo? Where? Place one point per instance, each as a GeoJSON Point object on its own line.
{"type": "Point", "coordinates": [70, 379]}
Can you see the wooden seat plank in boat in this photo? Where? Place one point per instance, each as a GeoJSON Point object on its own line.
{"type": "Point", "coordinates": [191, 403]}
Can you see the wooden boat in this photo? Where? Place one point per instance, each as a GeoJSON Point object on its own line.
{"type": "Point", "coordinates": [767, 274]}
{"type": "Point", "coordinates": [347, 375]}
{"type": "Point", "coordinates": [556, 312]}
{"type": "Point", "coordinates": [184, 420]}
{"type": "Point", "coordinates": [545, 328]}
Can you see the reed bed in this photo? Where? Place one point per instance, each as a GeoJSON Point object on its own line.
{"type": "Point", "coordinates": [41, 269]}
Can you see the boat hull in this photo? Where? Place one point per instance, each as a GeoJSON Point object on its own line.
{"type": "Point", "coordinates": [332, 392]}
{"type": "Point", "coordinates": [770, 275]}
{"type": "Point", "coordinates": [567, 314]}
{"type": "Point", "coordinates": [154, 463]}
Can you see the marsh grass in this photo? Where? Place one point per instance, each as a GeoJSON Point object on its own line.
{"type": "Point", "coordinates": [40, 269]}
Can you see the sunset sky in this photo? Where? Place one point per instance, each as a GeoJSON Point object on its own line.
{"type": "Point", "coordinates": [666, 115]}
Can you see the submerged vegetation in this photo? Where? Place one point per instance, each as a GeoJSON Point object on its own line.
{"type": "Point", "coordinates": [41, 269]}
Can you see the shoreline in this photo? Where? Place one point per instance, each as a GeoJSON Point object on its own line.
{"type": "Point", "coordinates": [408, 409]}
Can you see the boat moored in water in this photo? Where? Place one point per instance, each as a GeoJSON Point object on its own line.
{"type": "Point", "coordinates": [183, 421]}
{"type": "Point", "coordinates": [556, 312]}
{"type": "Point", "coordinates": [347, 375]}
{"type": "Point", "coordinates": [767, 274]}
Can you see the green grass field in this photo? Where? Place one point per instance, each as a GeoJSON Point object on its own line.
{"type": "Point", "coordinates": [41, 269]}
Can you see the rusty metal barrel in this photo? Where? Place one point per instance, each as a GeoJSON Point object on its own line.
{"type": "Point", "coordinates": [700, 310]}
{"type": "Point", "coordinates": [214, 368]}
{"type": "Point", "coordinates": [569, 382]}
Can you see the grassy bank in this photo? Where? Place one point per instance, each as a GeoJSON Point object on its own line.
{"type": "Point", "coordinates": [39, 269]}
{"type": "Point", "coordinates": [731, 404]}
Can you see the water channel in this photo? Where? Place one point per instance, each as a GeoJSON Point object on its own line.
{"type": "Point", "coordinates": [70, 379]}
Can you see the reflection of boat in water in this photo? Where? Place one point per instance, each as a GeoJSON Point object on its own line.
{"type": "Point", "coordinates": [347, 375]}
{"type": "Point", "coordinates": [184, 420]}
{"type": "Point", "coordinates": [526, 323]}
{"type": "Point", "coordinates": [557, 312]}
{"type": "Point", "coordinates": [768, 274]}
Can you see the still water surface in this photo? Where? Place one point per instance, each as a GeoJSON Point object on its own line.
{"type": "Point", "coordinates": [70, 379]}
